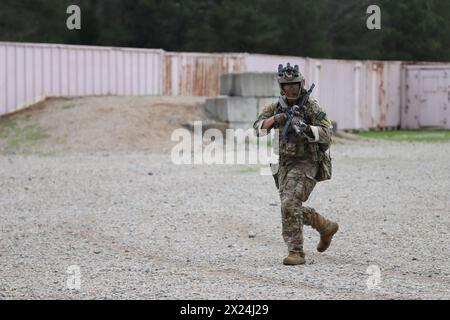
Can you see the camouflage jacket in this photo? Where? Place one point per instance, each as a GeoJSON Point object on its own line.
{"type": "Point", "coordinates": [306, 146]}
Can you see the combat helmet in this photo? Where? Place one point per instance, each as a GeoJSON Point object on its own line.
{"type": "Point", "coordinates": [290, 74]}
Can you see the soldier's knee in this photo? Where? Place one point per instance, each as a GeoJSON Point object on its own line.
{"type": "Point", "coordinates": [290, 205]}
{"type": "Point", "coordinates": [304, 189]}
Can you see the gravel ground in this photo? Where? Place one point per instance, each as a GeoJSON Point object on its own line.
{"type": "Point", "coordinates": [140, 227]}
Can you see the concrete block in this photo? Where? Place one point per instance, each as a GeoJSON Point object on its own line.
{"type": "Point", "coordinates": [217, 108]}
{"type": "Point", "coordinates": [227, 84]}
{"type": "Point", "coordinates": [249, 85]}
{"type": "Point", "coordinates": [232, 109]}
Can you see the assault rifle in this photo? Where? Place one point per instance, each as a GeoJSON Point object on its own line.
{"type": "Point", "coordinates": [292, 111]}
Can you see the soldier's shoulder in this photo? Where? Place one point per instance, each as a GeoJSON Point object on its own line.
{"type": "Point", "coordinates": [315, 109]}
{"type": "Point", "coordinates": [270, 108]}
{"type": "Point", "coordinates": [313, 104]}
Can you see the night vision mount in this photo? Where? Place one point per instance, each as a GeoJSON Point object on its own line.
{"type": "Point", "coordinates": [288, 71]}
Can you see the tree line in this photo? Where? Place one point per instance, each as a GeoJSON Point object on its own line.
{"type": "Point", "coordinates": [410, 29]}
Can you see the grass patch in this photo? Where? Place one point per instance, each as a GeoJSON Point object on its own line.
{"type": "Point", "coordinates": [6, 125]}
{"type": "Point", "coordinates": [249, 170]}
{"type": "Point", "coordinates": [16, 137]}
{"type": "Point", "coordinates": [408, 135]}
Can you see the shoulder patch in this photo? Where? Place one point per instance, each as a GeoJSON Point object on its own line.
{"type": "Point", "coordinates": [321, 115]}
{"type": "Point", "coordinates": [326, 123]}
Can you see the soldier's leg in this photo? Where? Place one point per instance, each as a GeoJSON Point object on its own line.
{"type": "Point", "coordinates": [311, 217]}
{"type": "Point", "coordinates": [326, 228]}
{"type": "Point", "coordinates": [291, 216]}
{"type": "Point", "coordinates": [292, 224]}
{"type": "Point", "coordinates": [298, 187]}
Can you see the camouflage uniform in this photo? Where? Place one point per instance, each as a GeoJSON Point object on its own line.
{"type": "Point", "coordinates": [298, 166]}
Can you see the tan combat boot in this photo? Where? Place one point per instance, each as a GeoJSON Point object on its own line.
{"type": "Point", "coordinates": [326, 236]}
{"type": "Point", "coordinates": [294, 258]}
{"type": "Point", "coordinates": [326, 228]}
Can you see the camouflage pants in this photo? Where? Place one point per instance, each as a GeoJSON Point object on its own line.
{"type": "Point", "coordinates": [296, 182]}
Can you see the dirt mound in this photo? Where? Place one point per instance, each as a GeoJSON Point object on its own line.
{"type": "Point", "coordinates": [98, 124]}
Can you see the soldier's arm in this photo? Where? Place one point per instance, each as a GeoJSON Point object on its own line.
{"type": "Point", "coordinates": [265, 121]}
{"type": "Point", "coordinates": [321, 127]}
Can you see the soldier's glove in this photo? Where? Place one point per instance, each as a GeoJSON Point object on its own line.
{"type": "Point", "coordinates": [301, 128]}
{"type": "Point", "coordinates": [280, 119]}
{"type": "Point", "coordinates": [296, 111]}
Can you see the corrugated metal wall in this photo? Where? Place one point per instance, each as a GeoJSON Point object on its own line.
{"type": "Point", "coordinates": [31, 71]}
{"type": "Point", "coordinates": [355, 94]}
{"type": "Point", "coordinates": [197, 74]}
